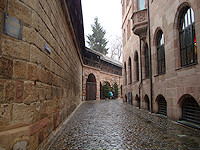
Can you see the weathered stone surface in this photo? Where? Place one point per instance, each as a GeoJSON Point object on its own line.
{"type": "Point", "coordinates": [22, 145]}
{"type": "Point", "coordinates": [19, 85]}
{"type": "Point", "coordinates": [6, 68]}
{"type": "Point", "coordinates": [20, 69]}
{"type": "Point", "coordinates": [40, 136]}
{"type": "Point", "coordinates": [20, 11]}
{"type": "Point", "coordinates": [30, 92]}
{"type": "Point", "coordinates": [5, 115]}
{"type": "Point", "coordinates": [16, 49]}
{"type": "Point", "coordinates": [29, 35]}
{"type": "Point", "coordinates": [9, 94]}
{"type": "Point", "coordinates": [34, 128]}
{"type": "Point", "coordinates": [32, 72]}
{"type": "Point", "coordinates": [23, 114]}
{"type": "Point", "coordinates": [2, 90]}
{"type": "Point", "coordinates": [3, 4]}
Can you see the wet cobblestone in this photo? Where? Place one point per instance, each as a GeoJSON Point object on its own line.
{"type": "Point", "coordinates": [112, 124]}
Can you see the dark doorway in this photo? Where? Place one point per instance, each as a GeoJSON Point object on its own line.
{"type": "Point", "coordinates": [130, 99]}
{"type": "Point", "coordinates": [162, 105]}
{"type": "Point", "coordinates": [91, 88]}
{"type": "Point", "coordinates": [101, 91]}
{"type": "Point", "coordinates": [147, 104]}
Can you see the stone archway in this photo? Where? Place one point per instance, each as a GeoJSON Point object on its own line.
{"type": "Point", "coordinates": [162, 105]}
{"type": "Point", "coordinates": [147, 103]}
{"type": "Point", "coordinates": [91, 87]}
{"type": "Point", "coordinates": [190, 109]}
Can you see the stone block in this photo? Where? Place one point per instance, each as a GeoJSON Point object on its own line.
{"type": "Point", "coordinates": [23, 114]}
{"type": "Point", "coordinates": [29, 35]}
{"type": "Point", "coordinates": [22, 145]}
{"type": "Point", "coordinates": [6, 68]}
{"type": "Point", "coordinates": [30, 92]}
{"type": "Point", "coordinates": [9, 94]}
{"type": "Point", "coordinates": [34, 128]}
{"type": "Point", "coordinates": [3, 4]}
{"type": "Point", "coordinates": [5, 115]}
{"type": "Point", "coordinates": [20, 11]}
{"type": "Point", "coordinates": [16, 49]}
{"type": "Point", "coordinates": [40, 136]}
{"type": "Point", "coordinates": [2, 90]}
{"type": "Point", "coordinates": [20, 69]}
{"type": "Point", "coordinates": [35, 55]}
{"type": "Point", "coordinates": [31, 72]}
{"type": "Point", "coordinates": [19, 85]}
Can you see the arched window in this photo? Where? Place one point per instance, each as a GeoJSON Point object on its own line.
{"type": "Point", "coordinates": [136, 66]}
{"type": "Point", "coordinates": [130, 70]}
{"type": "Point", "coordinates": [146, 61]}
{"type": "Point", "coordinates": [141, 4]}
{"type": "Point", "coordinates": [160, 52]}
{"type": "Point", "coordinates": [188, 49]}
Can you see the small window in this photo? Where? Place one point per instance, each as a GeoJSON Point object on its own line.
{"type": "Point", "coordinates": [187, 37]}
{"type": "Point", "coordinates": [141, 4]}
{"type": "Point", "coordinates": [146, 61]}
{"type": "Point", "coordinates": [160, 52]}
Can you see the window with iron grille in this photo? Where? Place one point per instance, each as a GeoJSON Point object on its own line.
{"type": "Point", "coordinates": [146, 61]}
{"type": "Point", "coordinates": [188, 49]}
{"type": "Point", "coordinates": [160, 52]}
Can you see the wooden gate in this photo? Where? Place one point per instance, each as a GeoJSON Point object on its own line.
{"type": "Point", "coordinates": [91, 91]}
{"type": "Point", "coordinates": [162, 106]}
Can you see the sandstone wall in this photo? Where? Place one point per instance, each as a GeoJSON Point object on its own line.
{"type": "Point", "coordinates": [177, 82]}
{"type": "Point", "coordinates": [100, 76]}
{"type": "Point", "coordinates": [38, 90]}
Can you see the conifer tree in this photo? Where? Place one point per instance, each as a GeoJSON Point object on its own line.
{"type": "Point", "coordinates": [96, 40]}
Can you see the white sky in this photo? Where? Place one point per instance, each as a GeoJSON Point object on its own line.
{"type": "Point", "coordinates": [108, 13]}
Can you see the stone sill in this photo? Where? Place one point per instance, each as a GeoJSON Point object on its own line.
{"type": "Point", "coordinates": [192, 125]}
{"type": "Point", "coordinates": [186, 66]}
{"type": "Point", "coordinates": [159, 74]}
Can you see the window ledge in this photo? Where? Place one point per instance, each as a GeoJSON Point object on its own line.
{"type": "Point", "coordinates": [186, 66]}
{"type": "Point", "coordinates": [159, 74]}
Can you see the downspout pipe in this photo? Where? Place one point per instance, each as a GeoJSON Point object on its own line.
{"type": "Point", "coordinates": [150, 58]}
{"type": "Point", "coordinates": [140, 85]}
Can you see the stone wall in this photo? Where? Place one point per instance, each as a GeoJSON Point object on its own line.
{"type": "Point", "coordinates": [38, 89]}
{"type": "Point", "coordinates": [101, 76]}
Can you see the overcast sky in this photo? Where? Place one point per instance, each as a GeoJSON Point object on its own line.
{"type": "Point", "coordinates": [109, 14]}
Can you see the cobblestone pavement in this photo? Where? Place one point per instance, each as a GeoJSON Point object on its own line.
{"type": "Point", "coordinates": [113, 124]}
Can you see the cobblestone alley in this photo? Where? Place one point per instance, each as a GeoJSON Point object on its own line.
{"type": "Point", "coordinates": [113, 124]}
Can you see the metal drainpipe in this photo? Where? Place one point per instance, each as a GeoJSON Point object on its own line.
{"type": "Point", "coordinates": [149, 33]}
{"type": "Point", "coordinates": [140, 85]}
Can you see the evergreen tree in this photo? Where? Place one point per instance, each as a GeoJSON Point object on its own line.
{"type": "Point", "coordinates": [106, 90]}
{"type": "Point", "coordinates": [97, 41]}
{"type": "Point", "coordinates": [116, 89]}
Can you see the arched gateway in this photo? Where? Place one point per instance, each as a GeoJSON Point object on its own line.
{"type": "Point", "coordinates": [91, 87]}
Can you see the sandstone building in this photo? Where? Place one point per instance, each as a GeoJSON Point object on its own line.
{"type": "Point", "coordinates": [97, 70]}
{"type": "Point", "coordinates": [161, 71]}
{"type": "Point", "coordinates": [41, 49]}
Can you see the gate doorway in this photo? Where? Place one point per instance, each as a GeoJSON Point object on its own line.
{"type": "Point", "coordinates": [91, 87]}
